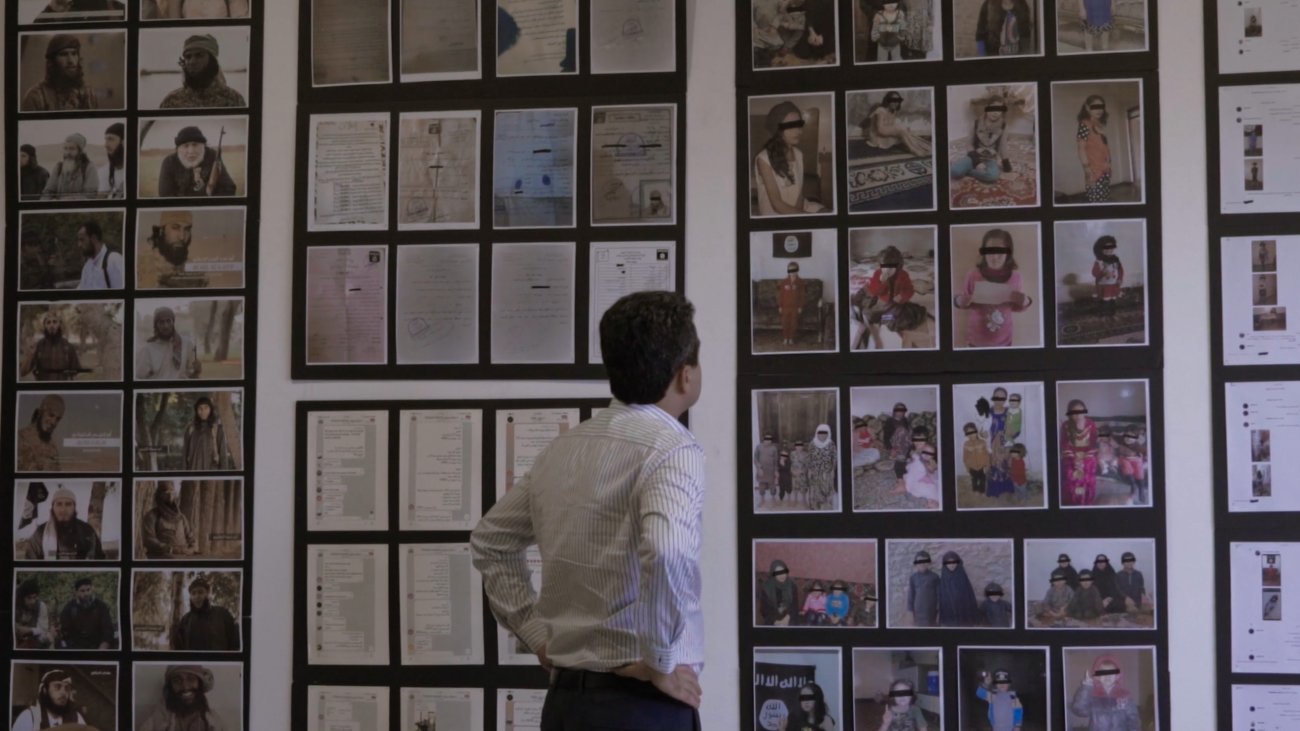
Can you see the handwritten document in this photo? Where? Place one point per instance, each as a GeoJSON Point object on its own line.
{"type": "Point", "coordinates": [347, 708]}
{"type": "Point", "coordinates": [621, 268]}
{"type": "Point", "coordinates": [347, 604]}
{"type": "Point", "coordinates": [521, 435]}
{"type": "Point", "coordinates": [536, 37]}
{"type": "Point", "coordinates": [348, 172]}
{"type": "Point", "coordinates": [347, 472]}
{"type": "Point", "coordinates": [349, 42]}
{"type": "Point", "coordinates": [533, 168]}
{"type": "Point", "coordinates": [633, 36]}
{"type": "Point", "coordinates": [510, 649]}
{"type": "Point", "coordinates": [347, 304]}
{"type": "Point", "coordinates": [437, 303]}
{"type": "Point", "coordinates": [437, 170]}
{"type": "Point", "coordinates": [519, 710]}
{"type": "Point", "coordinates": [440, 40]}
{"type": "Point", "coordinates": [434, 708]}
{"type": "Point", "coordinates": [441, 480]}
{"type": "Point", "coordinates": [442, 605]}
{"type": "Point", "coordinates": [532, 303]}
{"type": "Point", "coordinates": [633, 161]}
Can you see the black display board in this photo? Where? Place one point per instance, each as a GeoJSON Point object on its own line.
{"type": "Point", "coordinates": [945, 364]}
{"type": "Point", "coordinates": [129, 57]}
{"type": "Point", "coordinates": [485, 94]}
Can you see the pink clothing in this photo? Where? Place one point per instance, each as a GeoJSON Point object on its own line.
{"type": "Point", "coordinates": [990, 326]}
{"type": "Point", "coordinates": [1078, 463]}
{"type": "Point", "coordinates": [815, 603]}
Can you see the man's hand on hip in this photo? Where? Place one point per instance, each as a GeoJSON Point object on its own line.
{"type": "Point", "coordinates": [682, 684]}
{"type": "Point", "coordinates": [543, 659]}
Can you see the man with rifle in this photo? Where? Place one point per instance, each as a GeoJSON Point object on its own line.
{"type": "Point", "coordinates": [194, 170]}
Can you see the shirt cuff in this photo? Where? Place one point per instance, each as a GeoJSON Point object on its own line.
{"type": "Point", "coordinates": [662, 659]}
{"type": "Point", "coordinates": [534, 634]}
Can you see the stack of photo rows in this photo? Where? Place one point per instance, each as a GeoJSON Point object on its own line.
{"type": "Point", "coordinates": [950, 399]}
{"type": "Point", "coordinates": [134, 124]}
{"type": "Point", "coordinates": [469, 214]}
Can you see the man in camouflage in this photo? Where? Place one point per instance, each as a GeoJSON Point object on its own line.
{"type": "Point", "coordinates": [64, 86]}
{"type": "Point", "coordinates": [204, 82]}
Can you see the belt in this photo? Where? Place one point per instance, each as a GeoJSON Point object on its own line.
{"type": "Point", "coordinates": [567, 679]}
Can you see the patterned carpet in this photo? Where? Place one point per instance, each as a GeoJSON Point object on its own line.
{"type": "Point", "coordinates": [1017, 188]}
{"type": "Point", "coordinates": [882, 183]}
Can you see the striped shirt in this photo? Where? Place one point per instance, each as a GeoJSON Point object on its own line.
{"type": "Point", "coordinates": [614, 506]}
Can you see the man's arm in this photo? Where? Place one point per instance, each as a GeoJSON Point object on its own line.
{"type": "Point", "coordinates": [668, 503]}
{"type": "Point", "coordinates": [498, 545]}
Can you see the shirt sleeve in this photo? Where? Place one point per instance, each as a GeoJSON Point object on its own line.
{"type": "Point", "coordinates": [116, 271]}
{"type": "Point", "coordinates": [498, 545]}
{"type": "Point", "coordinates": [669, 499]}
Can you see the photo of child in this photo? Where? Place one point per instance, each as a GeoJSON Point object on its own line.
{"type": "Point", "coordinates": [996, 282]}
{"type": "Point", "coordinates": [895, 448]}
{"type": "Point", "coordinates": [809, 583]}
{"type": "Point", "coordinates": [999, 442]}
{"type": "Point", "coordinates": [993, 146]}
{"type": "Point", "coordinates": [1101, 297]}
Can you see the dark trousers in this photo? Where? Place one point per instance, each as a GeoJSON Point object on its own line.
{"type": "Point", "coordinates": [978, 480]}
{"type": "Point", "coordinates": [586, 701]}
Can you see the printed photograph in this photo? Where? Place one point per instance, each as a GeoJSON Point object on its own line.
{"type": "Point", "coordinates": [70, 341]}
{"type": "Point", "coordinates": [72, 159]}
{"type": "Point", "coordinates": [1254, 175]}
{"type": "Point", "coordinates": [192, 520]}
{"type": "Point", "coordinates": [189, 248]}
{"type": "Point", "coordinates": [189, 430]}
{"type": "Point", "coordinates": [1263, 255]}
{"type": "Point", "coordinates": [194, 68]}
{"type": "Point", "coordinates": [71, 249]}
{"type": "Point", "coordinates": [192, 695]}
{"type": "Point", "coordinates": [63, 695]}
{"type": "Point", "coordinates": [794, 33]}
{"type": "Point", "coordinates": [1000, 446]}
{"type": "Point", "coordinates": [195, 9]}
{"type": "Point", "coordinates": [997, 29]}
{"type": "Point", "coordinates": [438, 170]}
{"type": "Point", "coordinates": [1004, 688]}
{"type": "Point", "coordinates": [1097, 146]}
{"type": "Point", "coordinates": [1101, 26]}
{"type": "Point", "coordinates": [898, 688]}
{"type": "Point", "coordinates": [534, 154]}
{"type": "Point", "coordinates": [74, 71]}
{"type": "Point", "coordinates": [186, 610]}
{"type": "Point", "coordinates": [1101, 297]}
{"type": "Point", "coordinates": [69, 431]}
{"type": "Point", "coordinates": [923, 596]}
{"type": "Point", "coordinates": [1106, 596]}
{"type": "Point", "coordinates": [1271, 569]}
{"type": "Point", "coordinates": [993, 145]}
{"type": "Point", "coordinates": [66, 609]}
{"type": "Point", "coordinates": [810, 583]}
{"type": "Point", "coordinates": [67, 520]}
{"type": "Point", "coordinates": [189, 339]}
{"type": "Point", "coordinates": [887, 30]}
{"type": "Point", "coordinates": [1261, 481]}
{"type": "Point", "coordinates": [41, 12]}
{"type": "Point", "coordinates": [796, 459]}
{"type": "Point", "coordinates": [895, 451]}
{"type": "Point", "coordinates": [996, 280]}
{"type": "Point", "coordinates": [1111, 687]}
{"type": "Point", "coordinates": [1252, 140]}
{"type": "Point", "coordinates": [797, 688]}
{"type": "Point", "coordinates": [634, 164]}
{"type": "Point", "coordinates": [792, 146]}
{"type": "Point", "coordinates": [1268, 319]}
{"type": "Point", "coordinates": [890, 150]}
{"type": "Point", "coordinates": [1253, 26]}
{"type": "Point", "coordinates": [1265, 290]}
{"type": "Point", "coordinates": [793, 291]}
{"type": "Point", "coordinates": [893, 288]}
{"type": "Point", "coordinates": [1271, 605]}
{"type": "Point", "coordinates": [1261, 445]}
{"type": "Point", "coordinates": [1105, 443]}
{"type": "Point", "coordinates": [193, 157]}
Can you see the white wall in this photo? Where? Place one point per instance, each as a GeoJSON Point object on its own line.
{"type": "Point", "coordinates": [710, 260]}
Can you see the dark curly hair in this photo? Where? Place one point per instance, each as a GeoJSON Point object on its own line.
{"type": "Point", "coordinates": [645, 339]}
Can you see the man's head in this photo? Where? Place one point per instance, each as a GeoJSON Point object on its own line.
{"type": "Point", "coordinates": [186, 688]}
{"type": "Point", "coordinates": [63, 61]}
{"type": "Point", "coordinates": [84, 590]}
{"type": "Point", "coordinates": [199, 61]}
{"type": "Point", "coordinates": [56, 693]}
{"type": "Point", "coordinates": [26, 156]}
{"type": "Point", "coordinates": [48, 415]}
{"type": "Point", "coordinates": [651, 350]}
{"type": "Point", "coordinates": [165, 495]}
{"type": "Point", "coordinates": [921, 562]}
{"type": "Point", "coordinates": [63, 508]}
{"type": "Point", "coordinates": [191, 146]}
{"type": "Point", "coordinates": [164, 323]}
{"type": "Point", "coordinates": [792, 269]}
{"type": "Point", "coordinates": [199, 591]}
{"type": "Point", "coordinates": [52, 325]}
{"type": "Point", "coordinates": [74, 147]}
{"type": "Point", "coordinates": [114, 135]}
{"type": "Point", "coordinates": [1128, 561]}
{"type": "Point", "coordinates": [173, 235]}
{"type": "Point", "coordinates": [90, 238]}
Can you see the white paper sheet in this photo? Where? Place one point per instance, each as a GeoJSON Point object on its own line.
{"type": "Point", "coordinates": [533, 168]}
{"type": "Point", "coordinates": [350, 41]}
{"type": "Point", "coordinates": [991, 293]}
{"type": "Point", "coordinates": [1263, 435]}
{"type": "Point", "coordinates": [536, 36]}
{"type": "Point", "coordinates": [1267, 182]}
{"type": "Point", "coordinates": [440, 41]}
{"type": "Point", "coordinates": [442, 605]}
{"type": "Point", "coordinates": [519, 710]}
{"type": "Point", "coordinates": [533, 303]}
{"type": "Point", "coordinates": [441, 463]}
{"type": "Point", "coordinates": [1270, 44]}
{"type": "Point", "coordinates": [347, 708]}
{"type": "Point", "coordinates": [1266, 334]}
{"type": "Point", "coordinates": [1265, 607]}
{"type": "Point", "coordinates": [347, 304]}
{"type": "Point", "coordinates": [1265, 707]}
{"type": "Point", "coordinates": [621, 268]}
{"type": "Point", "coordinates": [347, 473]}
{"type": "Point", "coordinates": [510, 651]}
{"type": "Point", "coordinates": [437, 303]}
{"type": "Point", "coordinates": [633, 165]}
{"type": "Point", "coordinates": [450, 708]}
{"type": "Point", "coordinates": [347, 172]}
{"type": "Point", "coordinates": [438, 170]}
{"type": "Point", "coordinates": [350, 583]}
{"type": "Point", "coordinates": [633, 36]}
{"type": "Point", "coordinates": [521, 435]}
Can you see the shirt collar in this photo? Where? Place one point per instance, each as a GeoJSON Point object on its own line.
{"type": "Point", "coordinates": [652, 410]}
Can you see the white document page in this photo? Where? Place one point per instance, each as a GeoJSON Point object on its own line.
{"type": "Point", "coordinates": [347, 708]}
{"type": "Point", "coordinates": [633, 36]}
{"type": "Point", "coordinates": [347, 476]}
{"type": "Point", "coordinates": [442, 605]}
{"type": "Point", "coordinates": [1265, 607]}
{"type": "Point", "coordinates": [533, 303]}
{"type": "Point", "coordinates": [350, 41]}
{"type": "Point", "coordinates": [440, 41]}
{"type": "Point", "coordinates": [1258, 35]}
{"type": "Point", "coordinates": [1268, 182]}
{"type": "Point", "coordinates": [621, 268]}
{"type": "Point", "coordinates": [438, 170]}
{"type": "Point", "coordinates": [1261, 331]}
{"type": "Point", "coordinates": [437, 303]}
{"type": "Point", "coordinates": [521, 435]}
{"type": "Point", "coordinates": [1263, 435]}
{"type": "Point", "coordinates": [347, 305]}
{"type": "Point", "coordinates": [450, 708]}
{"type": "Point", "coordinates": [350, 583]}
{"type": "Point", "coordinates": [533, 36]}
{"type": "Point", "coordinates": [441, 481]}
{"type": "Point", "coordinates": [347, 172]}
{"type": "Point", "coordinates": [1265, 707]}
{"type": "Point", "coordinates": [533, 153]}
{"type": "Point", "coordinates": [519, 710]}
{"type": "Point", "coordinates": [633, 161]}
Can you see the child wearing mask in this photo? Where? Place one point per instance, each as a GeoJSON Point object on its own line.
{"type": "Point", "coordinates": [1005, 711]}
{"type": "Point", "coordinates": [975, 456]}
{"type": "Point", "coordinates": [814, 605]}
{"type": "Point", "coordinates": [838, 603]}
{"type": "Point", "coordinates": [997, 613]}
